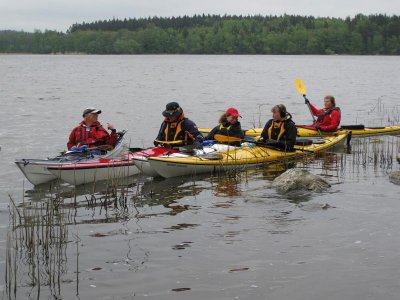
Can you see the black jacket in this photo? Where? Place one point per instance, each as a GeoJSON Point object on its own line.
{"type": "Point", "coordinates": [183, 130]}
{"type": "Point", "coordinates": [281, 135]}
{"type": "Point", "coordinates": [227, 129]}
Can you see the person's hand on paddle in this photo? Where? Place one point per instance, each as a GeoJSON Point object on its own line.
{"type": "Point", "coordinates": [306, 101]}
{"type": "Point", "coordinates": [318, 127]}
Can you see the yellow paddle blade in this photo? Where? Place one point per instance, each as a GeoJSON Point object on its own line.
{"type": "Point", "coordinates": [226, 139]}
{"type": "Point", "coordinates": [300, 86]}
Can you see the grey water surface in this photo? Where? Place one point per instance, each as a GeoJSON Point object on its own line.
{"type": "Point", "coordinates": [227, 236]}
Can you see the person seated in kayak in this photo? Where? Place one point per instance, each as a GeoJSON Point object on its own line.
{"type": "Point", "coordinates": [328, 118]}
{"type": "Point", "coordinates": [91, 133]}
{"type": "Point", "coordinates": [279, 132]}
{"type": "Point", "coordinates": [177, 130]}
{"type": "Point", "coordinates": [229, 130]}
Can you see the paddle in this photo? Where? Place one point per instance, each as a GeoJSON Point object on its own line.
{"type": "Point", "coordinates": [228, 139]}
{"type": "Point", "coordinates": [302, 90]}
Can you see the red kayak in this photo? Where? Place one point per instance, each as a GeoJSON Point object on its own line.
{"type": "Point", "coordinates": [141, 159]}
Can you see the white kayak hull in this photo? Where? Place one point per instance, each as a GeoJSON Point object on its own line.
{"type": "Point", "coordinates": [36, 170]}
{"type": "Point", "coordinates": [82, 176]}
{"type": "Point", "coordinates": [142, 163]}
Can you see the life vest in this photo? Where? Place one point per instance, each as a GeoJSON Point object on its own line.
{"type": "Point", "coordinates": [224, 129]}
{"type": "Point", "coordinates": [327, 113]}
{"type": "Point", "coordinates": [276, 130]}
{"type": "Point", "coordinates": [175, 134]}
{"type": "Point", "coordinates": [92, 136]}
{"type": "Point", "coordinates": [227, 128]}
{"type": "Point", "coordinates": [86, 137]}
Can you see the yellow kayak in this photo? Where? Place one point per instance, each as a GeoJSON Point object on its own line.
{"type": "Point", "coordinates": [221, 157]}
{"type": "Point", "coordinates": [355, 130]}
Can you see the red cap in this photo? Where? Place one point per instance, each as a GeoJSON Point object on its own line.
{"type": "Point", "coordinates": [233, 112]}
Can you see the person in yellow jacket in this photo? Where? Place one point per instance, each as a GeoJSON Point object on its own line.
{"type": "Point", "coordinates": [177, 130]}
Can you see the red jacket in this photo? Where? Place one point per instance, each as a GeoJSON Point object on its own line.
{"type": "Point", "coordinates": [328, 120]}
{"type": "Point", "coordinates": [92, 136]}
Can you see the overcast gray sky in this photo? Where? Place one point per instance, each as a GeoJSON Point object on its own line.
{"type": "Point", "coordinates": [60, 14]}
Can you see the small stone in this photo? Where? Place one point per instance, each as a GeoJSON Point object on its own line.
{"type": "Point", "coordinates": [394, 177]}
{"type": "Point", "coordinates": [299, 179]}
{"type": "Point", "coordinates": [326, 206]}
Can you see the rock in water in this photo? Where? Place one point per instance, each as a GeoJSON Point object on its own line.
{"type": "Point", "coordinates": [394, 177]}
{"type": "Point", "coordinates": [299, 179]}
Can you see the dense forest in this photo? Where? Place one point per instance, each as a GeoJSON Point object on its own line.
{"type": "Point", "coordinates": [213, 34]}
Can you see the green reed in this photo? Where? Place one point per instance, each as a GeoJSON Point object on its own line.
{"type": "Point", "coordinates": [39, 233]}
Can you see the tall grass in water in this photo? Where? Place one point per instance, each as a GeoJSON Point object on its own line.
{"type": "Point", "coordinates": [39, 241]}
{"type": "Point", "coordinates": [367, 157]}
{"type": "Point", "coordinates": [383, 115]}
{"type": "Point", "coordinates": [378, 152]}
{"type": "Point", "coordinates": [36, 248]}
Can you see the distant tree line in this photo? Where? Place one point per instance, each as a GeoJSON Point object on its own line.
{"type": "Point", "coordinates": [214, 34]}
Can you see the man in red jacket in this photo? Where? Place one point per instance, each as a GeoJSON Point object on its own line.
{"type": "Point", "coordinates": [328, 118]}
{"type": "Point", "coordinates": [91, 133]}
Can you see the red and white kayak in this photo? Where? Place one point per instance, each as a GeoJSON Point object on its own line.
{"type": "Point", "coordinates": [95, 170]}
{"type": "Point", "coordinates": [37, 172]}
{"type": "Point", "coordinates": [141, 159]}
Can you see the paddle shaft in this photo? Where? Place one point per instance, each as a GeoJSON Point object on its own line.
{"type": "Point", "coordinates": [312, 115]}
{"type": "Point", "coordinates": [309, 107]}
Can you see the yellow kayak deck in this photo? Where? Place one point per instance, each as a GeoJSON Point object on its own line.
{"type": "Point", "coordinates": [253, 155]}
{"type": "Point", "coordinates": [304, 132]}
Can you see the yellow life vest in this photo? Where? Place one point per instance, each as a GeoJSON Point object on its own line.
{"type": "Point", "coordinates": [221, 126]}
{"type": "Point", "coordinates": [177, 140]}
{"type": "Point", "coordinates": [274, 126]}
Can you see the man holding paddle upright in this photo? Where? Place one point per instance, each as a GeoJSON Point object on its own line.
{"type": "Point", "coordinates": [328, 118]}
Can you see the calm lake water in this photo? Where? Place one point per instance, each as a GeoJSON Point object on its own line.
{"type": "Point", "coordinates": [210, 237]}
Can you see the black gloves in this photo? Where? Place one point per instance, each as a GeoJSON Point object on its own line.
{"type": "Point", "coordinates": [197, 145]}
{"type": "Point", "coordinates": [306, 101]}
{"type": "Point", "coordinates": [318, 127]}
